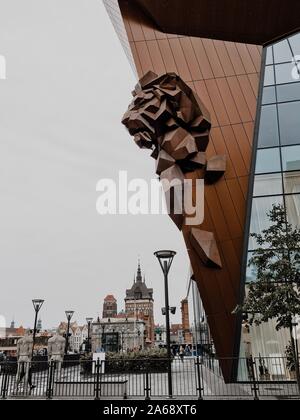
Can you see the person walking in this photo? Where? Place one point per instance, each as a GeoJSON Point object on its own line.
{"type": "Point", "coordinates": [181, 354]}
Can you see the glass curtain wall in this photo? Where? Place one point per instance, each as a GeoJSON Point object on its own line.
{"type": "Point", "coordinates": [277, 173]}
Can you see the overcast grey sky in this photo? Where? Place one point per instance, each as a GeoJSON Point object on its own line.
{"type": "Point", "coordinates": [68, 84]}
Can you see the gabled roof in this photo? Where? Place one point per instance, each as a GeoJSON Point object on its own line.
{"type": "Point", "coordinates": [139, 289]}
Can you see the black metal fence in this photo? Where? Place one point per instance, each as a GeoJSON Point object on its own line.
{"type": "Point", "coordinates": [193, 378]}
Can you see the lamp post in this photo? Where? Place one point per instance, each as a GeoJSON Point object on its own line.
{"type": "Point", "coordinates": [165, 259]}
{"type": "Point", "coordinates": [102, 337]}
{"type": "Point", "coordinates": [69, 315]}
{"type": "Point", "coordinates": [37, 304]}
{"type": "Point", "coordinates": [89, 323]}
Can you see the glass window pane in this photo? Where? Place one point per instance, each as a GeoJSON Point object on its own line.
{"type": "Point", "coordinates": [270, 184]}
{"type": "Point", "coordinates": [268, 160]}
{"type": "Point", "coordinates": [291, 158]}
{"type": "Point", "coordinates": [269, 76]}
{"type": "Point", "coordinates": [282, 52]}
{"type": "Point", "coordinates": [295, 44]}
{"type": "Point", "coordinates": [296, 69]}
{"type": "Point", "coordinates": [259, 217]}
{"type": "Point", "coordinates": [291, 182]}
{"type": "Point", "coordinates": [251, 272]}
{"type": "Point", "coordinates": [268, 129]}
{"type": "Point", "coordinates": [285, 73]}
{"type": "Point", "coordinates": [293, 209]}
{"type": "Point", "coordinates": [269, 59]}
{"type": "Point", "coordinates": [251, 275]}
{"type": "Point", "coordinates": [289, 121]}
{"type": "Point", "coordinates": [269, 95]}
{"type": "Point", "coordinates": [290, 92]}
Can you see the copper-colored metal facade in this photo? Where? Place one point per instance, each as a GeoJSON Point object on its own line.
{"type": "Point", "coordinates": [225, 75]}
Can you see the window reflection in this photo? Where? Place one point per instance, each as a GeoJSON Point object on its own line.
{"type": "Point", "coordinates": [261, 207]}
{"type": "Point", "coordinates": [268, 160]}
{"type": "Point", "coordinates": [295, 44]}
{"type": "Point", "coordinates": [289, 120]}
{"type": "Point", "coordinates": [291, 182]}
{"type": "Point", "coordinates": [282, 52]}
{"type": "Point", "coordinates": [269, 95]}
{"type": "Point", "coordinates": [268, 347]}
{"type": "Point", "coordinates": [284, 73]}
{"type": "Point", "coordinates": [269, 76]}
{"type": "Point", "coordinates": [269, 59]}
{"type": "Point", "coordinates": [268, 129]}
{"type": "Point", "coordinates": [290, 92]}
{"type": "Point", "coordinates": [270, 184]}
{"type": "Point", "coordinates": [291, 158]}
{"type": "Point", "coordinates": [293, 209]}
{"type": "Point", "coordinates": [251, 273]}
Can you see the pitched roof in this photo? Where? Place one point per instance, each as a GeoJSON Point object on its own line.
{"type": "Point", "coordinates": [139, 289]}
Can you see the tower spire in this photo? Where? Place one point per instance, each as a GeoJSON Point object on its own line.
{"type": "Point", "coordinates": [139, 277]}
{"type": "Point", "coordinates": [12, 325]}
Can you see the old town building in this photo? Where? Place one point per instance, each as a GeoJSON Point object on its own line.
{"type": "Point", "coordinates": [139, 304]}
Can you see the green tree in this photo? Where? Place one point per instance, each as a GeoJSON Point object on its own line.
{"type": "Point", "coordinates": [276, 293]}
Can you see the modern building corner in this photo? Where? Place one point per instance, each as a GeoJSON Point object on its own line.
{"type": "Point", "coordinates": [243, 67]}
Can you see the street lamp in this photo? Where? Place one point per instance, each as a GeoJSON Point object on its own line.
{"type": "Point", "coordinates": [172, 310]}
{"type": "Point", "coordinates": [89, 323]}
{"type": "Point", "coordinates": [37, 304]}
{"type": "Point", "coordinates": [165, 259]}
{"type": "Point", "coordinates": [69, 315]}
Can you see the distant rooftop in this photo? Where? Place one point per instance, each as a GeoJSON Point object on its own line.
{"type": "Point", "coordinates": [139, 290]}
{"type": "Point", "coordinates": [110, 298]}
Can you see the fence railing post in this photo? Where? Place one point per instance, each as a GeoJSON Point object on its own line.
{"type": "Point", "coordinates": [255, 387]}
{"type": "Point", "coordinates": [4, 388]}
{"type": "Point", "coordinates": [147, 388]}
{"type": "Point", "coordinates": [51, 369]}
{"type": "Point", "coordinates": [199, 370]}
{"type": "Point", "coordinates": [98, 369]}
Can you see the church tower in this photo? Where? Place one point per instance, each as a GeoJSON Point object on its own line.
{"type": "Point", "coordinates": [139, 304]}
{"type": "Point", "coordinates": [110, 307]}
